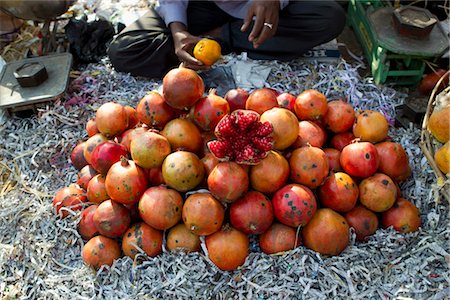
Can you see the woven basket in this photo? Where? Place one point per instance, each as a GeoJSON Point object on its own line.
{"type": "Point", "coordinates": [427, 141]}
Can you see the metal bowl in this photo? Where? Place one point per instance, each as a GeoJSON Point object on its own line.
{"type": "Point", "coordinates": [37, 10]}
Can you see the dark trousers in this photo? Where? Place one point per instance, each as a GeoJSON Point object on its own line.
{"type": "Point", "coordinates": [145, 48]}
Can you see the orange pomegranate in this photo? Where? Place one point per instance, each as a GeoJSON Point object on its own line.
{"type": "Point", "coordinates": [228, 181]}
{"type": "Point", "coordinates": [326, 233]}
{"type": "Point", "coordinates": [309, 166]}
{"type": "Point", "coordinates": [182, 134]}
{"type": "Point", "coordinates": [96, 190]}
{"type": "Point", "coordinates": [182, 87]}
{"type": "Point", "coordinates": [86, 227]}
{"type": "Point", "coordinates": [111, 111]}
{"type": "Point", "coordinates": [309, 133]}
{"type": "Point", "coordinates": [202, 214]}
{"type": "Point", "coordinates": [149, 150]}
{"type": "Point", "coordinates": [404, 216]}
{"type": "Point", "coordinates": [90, 145]}
{"type": "Point", "coordinates": [227, 248]}
{"type": "Point", "coordinates": [378, 192]}
{"type": "Point", "coordinates": [310, 105]}
{"type": "Point", "coordinates": [153, 111]}
{"type": "Point", "coordinates": [180, 238]}
{"type": "Point", "coordinates": [143, 236]}
{"type": "Point", "coordinates": [285, 126]}
{"type": "Point", "coordinates": [133, 119]}
{"type": "Point", "coordinates": [182, 171]}
{"type": "Point", "coordinates": [370, 126]}
{"type": "Point", "coordinates": [100, 251]}
{"type": "Point", "coordinates": [91, 127]}
{"type": "Point", "coordinates": [71, 197]}
{"type": "Point", "coordinates": [85, 175]}
{"type": "Point", "coordinates": [160, 207]}
{"type": "Point", "coordinates": [111, 219]}
{"type": "Point", "coordinates": [270, 174]}
{"type": "Point", "coordinates": [261, 100]}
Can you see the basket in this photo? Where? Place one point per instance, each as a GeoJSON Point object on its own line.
{"type": "Point", "coordinates": [427, 143]}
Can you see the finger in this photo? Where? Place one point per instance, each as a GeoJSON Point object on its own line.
{"type": "Point", "coordinates": [186, 58]}
{"type": "Point", "coordinates": [256, 30]}
{"type": "Point", "coordinates": [196, 67]}
{"type": "Point", "coordinates": [247, 20]}
{"type": "Point", "coordinates": [266, 33]}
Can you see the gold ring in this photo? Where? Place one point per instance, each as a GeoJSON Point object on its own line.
{"type": "Point", "coordinates": [268, 25]}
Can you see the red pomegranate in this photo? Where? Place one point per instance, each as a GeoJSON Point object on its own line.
{"type": "Point", "coordinates": [404, 216]}
{"type": "Point", "coordinates": [310, 105]}
{"type": "Point", "coordinates": [294, 205]}
{"type": "Point", "coordinates": [111, 219]}
{"type": "Point", "coordinates": [86, 227]}
{"type": "Point", "coordinates": [279, 238]}
{"type": "Point", "coordinates": [71, 197]}
{"type": "Point", "coordinates": [309, 133]}
{"type": "Point", "coordinates": [126, 182]}
{"type": "Point", "coordinates": [96, 190]}
{"type": "Point", "coordinates": [363, 221]}
{"type": "Point", "coordinates": [106, 154]}
{"type": "Point", "coordinates": [182, 87]}
{"type": "Point", "coordinates": [394, 161]}
{"type": "Point", "coordinates": [340, 140]}
{"type": "Point", "coordinates": [309, 166]}
{"type": "Point", "coordinates": [209, 110]}
{"type": "Point", "coordinates": [77, 156]}
{"type": "Point", "coordinates": [286, 100]}
{"type": "Point", "coordinates": [359, 159]}
{"type": "Point", "coordinates": [338, 192]}
{"type": "Point", "coordinates": [251, 214]}
{"type": "Point", "coordinates": [333, 156]}
{"type": "Point", "coordinates": [85, 175]}
{"type": "Point", "coordinates": [236, 98]}
{"type": "Point", "coordinates": [339, 117]}
{"type": "Point", "coordinates": [90, 145]}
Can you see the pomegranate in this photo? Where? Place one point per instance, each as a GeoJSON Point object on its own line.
{"type": "Point", "coordinates": [285, 126]}
{"type": "Point", "coordinates": [202, 214]}
{"type": "Point", "coordinates": [126, 182]}
{"type": "Point", "coordinates": [182, 87]}
{"type": "Point", "coordinates": [279, 238]}
{"type": "Point", "coordinates": [180, 238]}
{"type": "Point", "coordinates": [182, 171]}
{"type": "Point", "coordinates": [106, 154]}
{"type": "Point", "coordinates": [77, 156]}
{"type": "Point", "coordinates": [393, 160]}
{"type": "Point", "coordinates": [182, 134]}
{"type": "Point", "coordinates": [261, 100]}
{"type": "Point", "coordinates": [228, 181]}
{"type": "Point", "coordinates": [370, 126]}
{"type": "Point", "coordinates": [209, 110]}
{"type": "Point", "coordinates": [143, 236]}
{"type": "Point", "coordinates": [236, 98]}
{"type": "Point", "coordinates": [91, 127]}
{"type": "Point", "coordinates": [129, 134]}
{"type": "Point", "coordinates": [133, 119]}
{"type": "Point", "coordinates": [209, 162]}
{"type": "Point", "coordinates": [340, 140]}
{"type": "Point", "coordinates": [310, 134]}
{"type": "Point", "coordinates": [71, 197]}
{"type": "Point", "coordinates": [155, 176]}
{"type": "Point", "coordinates": [338, 192]}
{"type": "Point", "coordinates": [310, 105]}
{"type": "Point", "coordinates": [85, 175]}
{"type": "Point", "coordinates": [326, 233]}
{"type": "Point", "coordinates": [86, 227]}
{"type": "Point", "coordinates": [309, 166]}
{"type": "Point", "coordinates": [333, 156]}
{"type": "Point", "coordinates": [363, 221]}
{"type": "Point", "coordinates": [153, 111]}
{"type": "Point", "coordinates": [270, 174]}
{"type": "Point", "coordinates": [100, 251]}
{"type": "Point", "coordinates": [378, 192]}
{"type": "Point", "coordinates": [404, 216]}
{"type": "Point", "coordinates": [294, 205]}
{"type": "Point", "coordinates": [111, 219]}
{"type": "Point", "coordinates": [359, 159]}
{"type": "Point", "coordinates": [90, 145]}
{"type": "Point", "coordinates": [111, 111]}
{"type": "Point", "coordinates": [160, 207]}
{"type": "Point", "coordinates": [286, 100]}
{"type": "Point", "coordinates": [227, 248]}
{"type": "Point", "coordinates": [242, 138]}
{"type": "Point", "coordinates": [149, 150]}
{"type": "Point", "coordinates": [251, 214]}
{"type": "Point", "coordinates": [339, 117]}
{"type": "Point", "coordinates": [96, 190]}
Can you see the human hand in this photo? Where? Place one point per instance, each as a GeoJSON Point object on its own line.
{"type": "Point", "coordinates": [184, 42]}
{"type": "Point", "coordinates": [266, 15]}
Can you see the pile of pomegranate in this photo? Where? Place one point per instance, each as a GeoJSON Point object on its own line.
{"type": "Point", "coordinates": [295, 171]}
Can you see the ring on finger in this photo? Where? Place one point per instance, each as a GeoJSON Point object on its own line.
{"type": "Point", "coordinates": [268, 25]}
